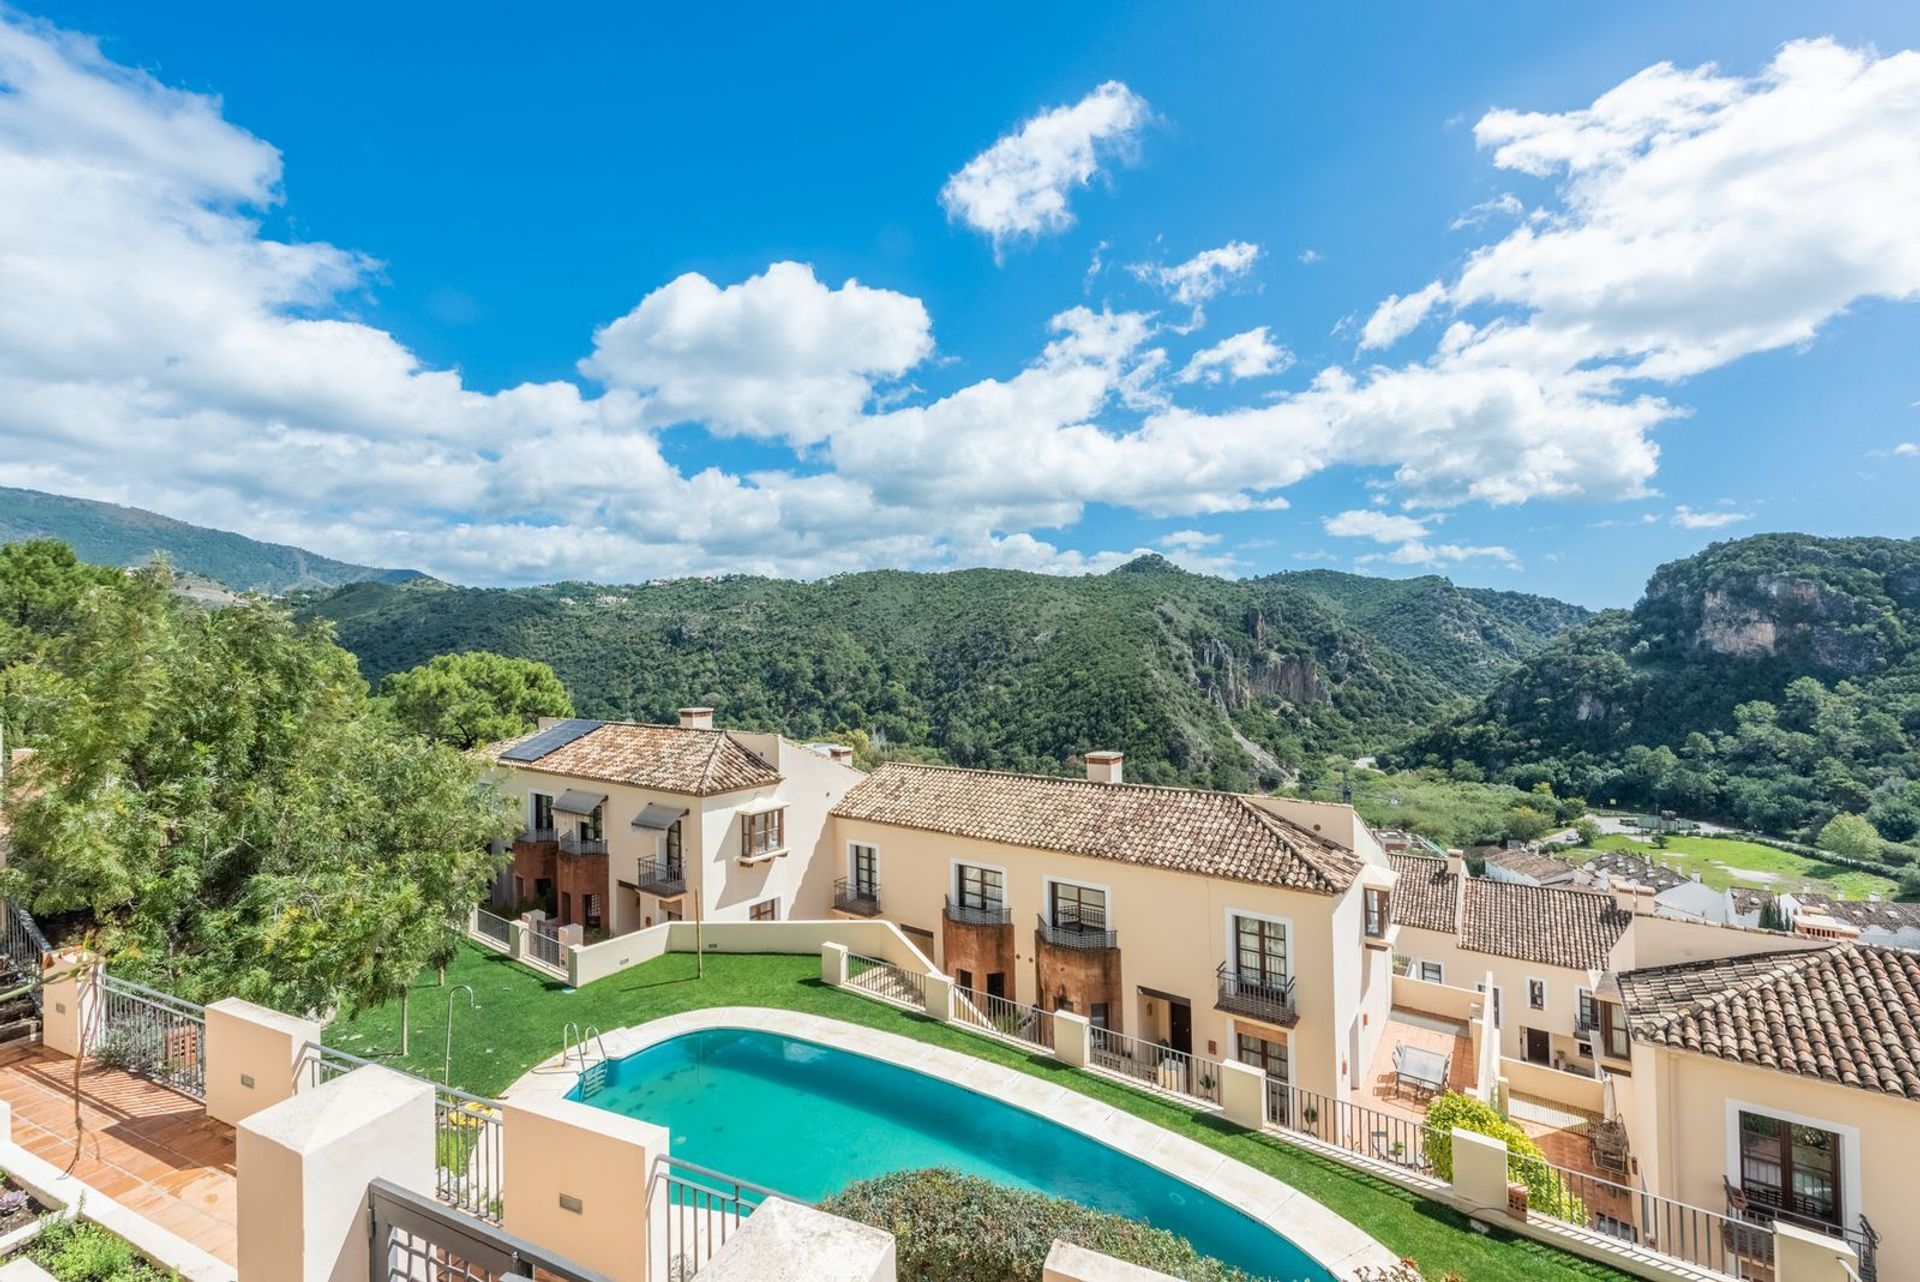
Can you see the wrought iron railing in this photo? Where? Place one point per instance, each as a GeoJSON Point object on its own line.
{"type": "Point", "coordinates": [663, 877]}
{"type": "Point", "coordinates": [887, 981]}
{"type": "Point", "coordinates": [1759, 1208]}
{"type": "Point", "coordinates": [1392, 1138]}
{"type": "Point", "coordinates": [493, 928]}
{"type": "Point", "coordinates": [1085, 931]}
{"type": "Point", "coordinates": [857, 896]}
{"type": "Point", "coordinates": [979, 914]}
{"type": "Point", "coordinates": [574, 844]}
{"type": "Point", "coordinates": [26, 948]}
{"type": "Point", "coordinates": [692, 1211]}
{"type": "Point", "coordinates": [537, 834]}
{"type": "Point", "coordinates": [1160, 1067]}
{"type": "Point", "coordinates": [415, 1238]}
{"type": "Point", "coordinates": [989, 1013]}
{"type": "Point", "coordinates": [1264, 997]}
{"type": "Point", "coordinates": [151, 1034]}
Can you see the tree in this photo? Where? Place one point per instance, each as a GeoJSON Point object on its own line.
{"type": "Point", "coordinates": [1588, 829]}
{"type": "Point", "coordinates": [1850, 836]}
{"type": "Point", "coordinates": [474, 698]}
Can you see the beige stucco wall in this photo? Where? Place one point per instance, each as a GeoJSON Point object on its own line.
{"type": "Point", "coordinates": [1172, 930]}
{"type": "Point", "coordinates": [1667, 941]}
{"type": "Point", "coordinates": [576, 1181]}
{"type": "Point", "coordinates": [1463, 969]}
{"type": "Point", "coordinates": [253, 1056]}
{"type": "Point", "coordinates": [1682, 1141]}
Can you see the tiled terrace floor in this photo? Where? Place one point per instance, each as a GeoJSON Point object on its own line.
{"type": "Point", "coordinates": [148, 1148]}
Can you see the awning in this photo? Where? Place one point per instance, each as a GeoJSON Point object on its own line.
{"type": "Point", "coordinates": [575, 802]}
{"type": "Point", "coordinates": [658, 817]}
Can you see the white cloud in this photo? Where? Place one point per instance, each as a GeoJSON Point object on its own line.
{"type": "Point", "coordinates": [1018, 188]}
{"type": "Point", "coordinates": [1368, 523]}
{"type": "Point", "coordinates": [1506, 205]}
{"type": "Point", "coordinates": [1399, 316]}
{"type": "Point", "coordinates": [1189, 540]}
{"type": "Point", "coordinates": [1688, 519]}
{"type": "Point", "coordinates": [1433, 555]}
{"type": "Point", "coordinates": [778, 355]}
{"type": "Point", "coordinates": [1907, 449]}
{"type": "Point", "coordinates": [1204, 276]}
{"type": "Point", "coordinates": [1253, 354]}
{"type": "Point", "coordinates": [1309, 255]}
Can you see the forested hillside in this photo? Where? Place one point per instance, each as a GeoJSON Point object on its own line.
{"type": "Point", "coordinates": [1197, 679]}
{"type": "Point", "coordinates": [107, 534]}
{"type": "Point", "coordinates": [1774, 680]}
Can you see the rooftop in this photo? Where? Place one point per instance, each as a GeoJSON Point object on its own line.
{"type": "Point", "coordinates": [1847, 1014]}
{"type": "Point", "coordinates": [1551, 925]}
{"type": "Point", "coordinates": [1883, 914]}
{"type": "Point", "coordinates": [1544, 869]}
{"type": "Point", "coordinates": [695, 762]}
{"type": "Point", "coordinates": [1423, 896]}
{"type": "Point", "coordinates": [1221, 834]}
{"type": "Point", "coordinates": [1638, 870]}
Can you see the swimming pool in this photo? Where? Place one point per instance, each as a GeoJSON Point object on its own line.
{"type": "Point", "coordinates": [808, 1120]}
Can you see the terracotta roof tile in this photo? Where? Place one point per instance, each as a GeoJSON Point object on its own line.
{"type": "Point", "coordinates": [1847, 1014]}
{"type": "Point", "coordinates": [1220, 834]}
{"type": "Point", "coordinates": [1531, 863]}
{"type": "Point", "coordinates": [1551, 925]}
{"type": "Point", "coordinates": [664, 758]}
{"type": "Point", "coordinates": [1636, 869]}
{"type": "Point", "coordinates": [1423, 896]}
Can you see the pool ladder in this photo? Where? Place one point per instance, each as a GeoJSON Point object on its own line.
{"type": "Point", "coordinates": [593, 1073]}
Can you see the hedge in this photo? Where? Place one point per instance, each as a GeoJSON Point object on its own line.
{"type": "Point", "coordinates": [1546, 1192]}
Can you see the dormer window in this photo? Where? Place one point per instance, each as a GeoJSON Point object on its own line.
{"type": "Point", "coordinates": [763, 833]}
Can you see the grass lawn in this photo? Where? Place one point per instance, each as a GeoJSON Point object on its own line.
{"type": "Point", "coordinates": [1724, 862]}
{"type": "Point", "coordinates": [520, 1017]}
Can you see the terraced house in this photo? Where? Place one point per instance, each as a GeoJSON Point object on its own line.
{"type": "Point", "coordinates": [1211, 923]}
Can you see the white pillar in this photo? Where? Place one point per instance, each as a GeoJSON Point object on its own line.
{"type": "Point", "coordinates": [833, 965]}
{"type": "Point", "coordinates": [1479, 1173]}
{"type": "Point", "coordinates": [254, 1056]}
{"type": "Point", "coordinates": [1802, 1255]}
{"type": "Point", "coordinates": [940, 997]}
{"type": "Point", "coordinates": [70, 986]}
{"type": "Point", "coordinates": [576, 1180]}
{"type": "Point", "coordinates": [517, 940]}
{"type": "Point", "coordinates": [1243, 1094]}
{"type": "Point", "coordinates": [301, 1170]}
{"type": "Point", "coordinates": [1070, 1037]}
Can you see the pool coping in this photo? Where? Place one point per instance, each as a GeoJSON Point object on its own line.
{"type": "Point", "coordinates": [1328, 1238]}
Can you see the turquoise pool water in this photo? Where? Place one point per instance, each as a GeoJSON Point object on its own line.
{"type": "Point", "coordinates": [808, 1120]}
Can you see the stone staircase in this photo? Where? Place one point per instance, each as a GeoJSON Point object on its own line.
{"type": "Point", "coordinates": [19, 1015]}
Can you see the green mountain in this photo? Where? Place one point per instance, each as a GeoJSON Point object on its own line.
{"type": "Point", "coordinates": [107, 534]}
{"type": "Point", "coordinates": [1773, 680]}
{"type": "Point", "coordinates": [1197, 679]}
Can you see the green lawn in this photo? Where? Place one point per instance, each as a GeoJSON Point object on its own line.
{"type": "Point", "coordinates": [1724, 862]}
{"type": "Point", "coordinates": [521, 1016]}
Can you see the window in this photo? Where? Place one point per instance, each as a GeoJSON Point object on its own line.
{"type": "Point", "coordinates": [865, 867]}
{"type": "Point", "coordinates": [676, 851]}
{"type": "Point", "coordinates": [1536, 994]}
{"type": "Point", "coordinates": [1481, 988]}
{"type": "Point", "coordinates": [1617, 1044]}
{"type": "Point", "coordinates": [1098, 1015]}
{"type": "Point", "coordinates": [765, 910]}
{"type": "Point", "coordinates": [1585, 1018]}
{"type": "Point", "coordinates": [1377, 914]}
{"type": "Point", "coordinates": [1432, 972]}
{"type": "Point", "coordinates": [1269, 1057]}
{"type": "Point", "coordinates": [542, 809]}
{"type": "Point", "coordinates": [1078, 907]}
{"type": "Point", "coordinates": [1260, 951]}
{"type": "Point", "coordinates": [1789, 1167]}
{"type": "Point", "coordinates": [670, 912]}
{"type": "Point", "coordinates": [982, 888]}
{"type": "Point", "coordinates": [997, 983]}
{"type": "Point", "coordinates": [963, 980]}
{"type": "Point", "coordinates": [763, 833]}
{"type": "Point", "coordinates": [590, 829]}
{"type": "Point", "coordinates": [590, 907]}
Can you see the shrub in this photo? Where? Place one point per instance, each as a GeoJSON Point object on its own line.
{"type": "Point", "coordinates": [1525, 1162]}
{"type": "Point", "coordinates": [950, 1227]}
{"type": "Point", "coordinates": [76, 1250]}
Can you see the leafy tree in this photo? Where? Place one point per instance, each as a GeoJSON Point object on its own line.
{"type": "Point", "coordinates": [474, 697]}
{"type": "Point", "coordinates": [1588, 829]}
{"type": "Point", "coordinates": [1851, 836]}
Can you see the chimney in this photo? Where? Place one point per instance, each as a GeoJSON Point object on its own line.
{"type": "Point", "coordinates": [840, 754]}
{"type": "Point", "coordinates": [1644, 904]}
{"type": "Point", "coordinates": [1104, 767]}
{"type": "Point", "coordinates": [696, 718]}
{"type": "Point", "coordinates": [1456, 863]}
{"type": "Point", "coordinates": [1457, 869]}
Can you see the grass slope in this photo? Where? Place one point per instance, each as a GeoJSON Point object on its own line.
{"type": "Point", "coordinates": [520, 1016]}
{"type": "Point", "coordinates": [1725, 861]}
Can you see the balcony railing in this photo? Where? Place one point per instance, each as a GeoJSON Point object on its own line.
{"type": "Point", "coordinates": [662, 878]}
{"type": "Point", "coordinates": [1258, 996]}
{"type": "Point", "coordinates": [978, 914]}
{"type": "Point", "coordinates": [1086, 931]}
{"type": "Point", "coordinates": [574, 844]}
{"type": "Point", "coordinates": [536, 834]}
{"type": "Point", "coordinates": [1760, 1206]}
{"type": "Point", "coordinates": [857, 897]}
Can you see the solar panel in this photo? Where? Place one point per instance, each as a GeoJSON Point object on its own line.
{"type": "Point", "coordinates": [552, 739]}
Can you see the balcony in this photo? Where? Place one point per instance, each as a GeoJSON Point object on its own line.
{"type": "Point", "coordinates": [663, 878]}
{"type": "Point", "coordinates": [1086, 933]}
{"type": "Point", "coordinates": [859, 898]}
{"type": "Point", "coordinates": [978, 915]}
{"type": "Point", "coordinates": [1752, 1210]}
{"type": "Point", "coordinates": [533, 836]}
{"type": "Point", "coordinates": [1255, 996]}
{"type": "Point", "coordinates": [574, 844]}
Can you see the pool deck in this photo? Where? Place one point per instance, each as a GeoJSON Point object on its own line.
{"type": "Point", "coordinates": [1332, 1241]}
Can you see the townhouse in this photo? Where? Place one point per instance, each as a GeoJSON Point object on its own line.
{"type": "Point", "coordinates": [1231, 926]}
{"type": "Point", "coordinates": [1528, 867]}
{"type": "Point", "coordinates": [629, 825]}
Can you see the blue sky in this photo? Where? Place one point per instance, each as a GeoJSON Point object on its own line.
{"type": "Point", "coordinates": [334, 283]}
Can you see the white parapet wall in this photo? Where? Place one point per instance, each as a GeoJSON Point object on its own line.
{"type": "Point", "coordinates": [1069, 1263]}
{"type": "Point", "coordinates": [253, 1057]}
{"type": "Point", "coordinates": [882, 939]}
{"type": "Point", "coordinates": [783, 1241]}
{"type": "Point", "coordinates": [577, 1182]}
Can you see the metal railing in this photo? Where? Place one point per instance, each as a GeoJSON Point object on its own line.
{"type": "Point", "coordinates": [467, 1135]}
{"type": "Point", "coordinates": [574, 844]}
{"type": "Point", "coordinates": [662, 877]}
{"type": "Point", "coordinates": [888, 982]}
{"type": "Point", "coordinates": [416, 1238]}
{"type": "Point", "coordinates": [1252, 994]}
{"type": "Point", "coordinates": [1086, 931]}
{"type": "Point", "coordinates": [692, 1211]}
{"type": "Point", "coordinates": [151, 1034]}
{"type": "Point", "coordinates": [857, 897]}
{"type": "Point", "coordinates": [25, 947]}
{"type": "Point", "coordinates": [1380, 1136]}
{"type": "Point", "coordinates": [1160, 1067]}
{"type": "Point", "coordinates": [989, 1013]}
{"type": "Point", "coordinates": [537, 834]}
{"type": "Point", "coordinates": [979, 914]}
{"type": "Point", "coordinates": [1760, 1208]}
{"type": "Point", "coordinates": [543, 944]}
{"type": "Point", "coordinates": [493, 928]}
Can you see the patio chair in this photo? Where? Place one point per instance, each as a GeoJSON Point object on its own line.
{"type": "Point", "coordinates": [1607, 1146]}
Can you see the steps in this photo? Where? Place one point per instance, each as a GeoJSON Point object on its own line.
{"type": "Point", "coordinates": [19, 1016]}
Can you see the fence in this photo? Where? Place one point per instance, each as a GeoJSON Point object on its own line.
{"type": "Point", "coordinates": [493, 929]}
{"type": "Point", "coordinates": [888, 982]}
{"type": "Point", "coordinates": [543, 944]}
{"type": "Point", "coordinates": [1700, 1237]}
{"type": "Point", "coordinates": [692, 1213]}
{"type": "Point", "coordinates": [415, 1237]}
{"type": "Point", "coordinates": [994, 1015]}
{"type": "Point", "coordinates": [1368, 1132]}
{"type": "Point", "coordinates": [467, 1137]}
{"type": "Point", "coordinates": [25, 947]}
{"type": "Point", "coordinates": [150, 1033]}
{"type": "Point", "coordinates": [1160, 1067]}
